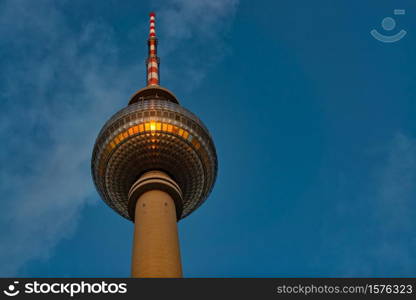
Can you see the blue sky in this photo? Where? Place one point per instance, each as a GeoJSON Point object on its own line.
{"type": "Point", "coordinates": [313, 120]}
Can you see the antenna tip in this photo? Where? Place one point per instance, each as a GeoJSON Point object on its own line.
{"type": "Point", "coordinates": [152, 14]}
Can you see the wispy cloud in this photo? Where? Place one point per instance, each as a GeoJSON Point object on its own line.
{"type": "Point", "coordinates": [54, 96]}
{"type": "Point", "coordinates": [194, 33]}
{"type": "Point", "coordinates": [395, 205]}
{"type": "Point", "coordinates": [386, 210]}
{"type": "Point", "coordinates": [58, 85]}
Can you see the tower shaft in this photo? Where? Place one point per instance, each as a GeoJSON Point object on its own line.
{"type": "Point", "coordinates": [156, 251]}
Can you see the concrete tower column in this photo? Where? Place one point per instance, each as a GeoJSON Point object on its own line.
{"type": "Point", "coordinates": [155, 200]}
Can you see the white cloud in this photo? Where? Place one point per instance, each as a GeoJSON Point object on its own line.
{"type": "Point", "coordinates": [194, 33]}
{"type": "Point", "coordinates": [395, 205]}
{"type": "Point", "coordinates": [384, 244]}
{"type": "Point", "coordinates": [56, 96]}
{"type": "Point", "coordinates": [186, 19]}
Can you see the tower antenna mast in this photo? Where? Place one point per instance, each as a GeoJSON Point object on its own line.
{"type": "Point", "coordinates": [152, 61]}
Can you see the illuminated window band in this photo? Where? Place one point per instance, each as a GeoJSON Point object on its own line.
{"type": "Point", "coordinates": [151, 127]}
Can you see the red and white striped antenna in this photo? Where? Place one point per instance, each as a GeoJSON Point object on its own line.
{"type": "Point", "coordinates": [152, 61]}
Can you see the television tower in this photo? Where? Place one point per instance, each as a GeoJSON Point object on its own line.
{"type": "Point", "coordinates": [154, 163]}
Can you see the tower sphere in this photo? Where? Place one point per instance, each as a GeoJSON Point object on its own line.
{"type": "Point", "coordinates": [154, 133]}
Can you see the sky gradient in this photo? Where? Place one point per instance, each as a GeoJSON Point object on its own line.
{"type": "Point", "coordinates": [313, 120]}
